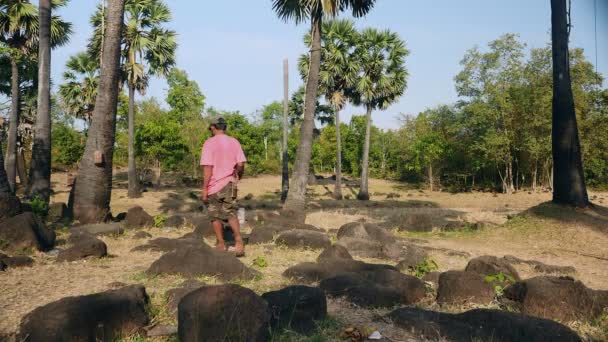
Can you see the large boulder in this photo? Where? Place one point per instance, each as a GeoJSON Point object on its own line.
{"type": "Point", "coordinates": [334, 252]}
{"type": "Point", "coordinates": [15, 261]}
{"type": "Point", "coordinates": [167, 245]}
{"type": "Point", "coordinates": [85, 247]}
{"type": "Point", "coordinates": [103, 316]}
{"type": "Point", "coordinates": [223, 313]}
{"type": "Point", "coordinates": [263, 234]}
{"type": "Point", "coordinates": [100, 229]}
{"type": "Point", "coordinates": [367, 248]}
{"type": "Point", "coordinates": [25, 232]}
{"type": "Point", "coordinates": [296, 308]}
{"type": "Point", "coordinates": [310, 272]}
{"type": "Point", "coordinates": [488, 265]}
{"type": "Point", "coordinates": [202, 226]}
{"type": "Point", "coordinates": [304, 238]}
{"type": "Point", "coordinates": [137, 217]}
{"type": "Point", "coordinates": [9, 206]}
{"type": "Point", "coordinates": [459, 287]}
{"type": "Point", "coordinates": [480, 325]}
{"type": "Point", "coordinates": [174, 296]}
{"type": "Point", "coordinates": [361, 291]}
{"type": "Point", "coordinates": [193, 261]}
{"type": "Point", "coordinates": [410, 222]}
{"type": "Point", "coordinates": [411, 256]}
{"type": "Point", "coordinates": [366, 231]}
{"type": "Point", "coordinates": [58, 212]}
{"type": "Point", "coordinates": [559, 298]}
{"type": "Point", "coordinates": [175, 221]}
{"type": "Point", "coordinates": [411, 288]}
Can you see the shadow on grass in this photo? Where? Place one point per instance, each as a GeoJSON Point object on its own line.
{"type": "Point", "coordinates": [595, 216]}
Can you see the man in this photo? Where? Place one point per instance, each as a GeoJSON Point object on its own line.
{"type": "Point", "coordinates": [223, 163]}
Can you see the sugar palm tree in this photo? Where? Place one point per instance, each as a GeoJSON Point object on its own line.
{"type": "Point", "coordinates": [315, 11]}
{"type": "Point", "coordinates": [148, 49]}
{"type": "Point", "coordinates": [4, 186]}
{"type": "Point", "coordinates": [337, 76]}
{"type": "Point", "coordinates": [382, 80]}
{"type": "Point", "coordinates": [79, 91]}
{"type": "Point", "coordinates": [93, 188]}
{"type": "Point", "coordinates": [19, 34]}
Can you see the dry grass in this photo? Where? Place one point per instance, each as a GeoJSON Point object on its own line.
{"type": "Point", "coordinates": [547, 233]}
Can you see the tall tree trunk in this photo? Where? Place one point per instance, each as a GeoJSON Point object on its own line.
{"type": "Point", "coordinates": [511, 186]}
{"type": "Point", "coordinates": [10, 164]}
{"type": "Point", "coordinates": [40, 167]}
{"type": "Point", "coordinates": [21, 168]}
{"type": "Point", "coordinates": [534, 175]}
{"type": "Point", "coordinates": [133, 191]}
{"type": "Point", "coordinates": [5, 188]}
{"type": "Point", "coordinates": [285, 173]}
{"type": "Point", "coordinates": [93, 188]}
{"type": "Point", "coordinates": [364, 190]}
{"type": "Point", "coordinates": [338, 188]}
{"type": "Point", "coordinates": [569, 180]}
{"type": "Point", "coordinates": [430, 177]}
{"type": "Point", "coordinates": [296, 199]}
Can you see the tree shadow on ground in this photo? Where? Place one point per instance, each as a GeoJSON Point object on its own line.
{"type": "Point", "coordinates": [595, 216]}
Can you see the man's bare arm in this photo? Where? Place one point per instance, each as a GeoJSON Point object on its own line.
{"type": "Point", "coordinates": [240, 169]}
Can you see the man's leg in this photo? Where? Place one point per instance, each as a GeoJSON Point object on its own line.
{"type": "Point", "coordinates": [219, 235]}
{"type": "Point", "coordinates": [239, 246]}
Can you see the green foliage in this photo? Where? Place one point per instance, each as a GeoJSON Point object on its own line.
{"type": "Point", "coordinates": [500, 281]}
{"type": "Point", "coordinates": [39, 206]}
{"type": "Point", "coordinates": [159, 220]}
{"type": "Point", "coordinates": [68, 145]}
{"type": "Point", "coordinates": [424, 267]}
{"type": "Point", "coordinates": [184, 96]}
{"type": "Point", "coordinates": [260, 261]}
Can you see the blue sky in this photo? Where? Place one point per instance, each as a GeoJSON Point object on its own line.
{"type": "Point", "coordinates": [234, 48]}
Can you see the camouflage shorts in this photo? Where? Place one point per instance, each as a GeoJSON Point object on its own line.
{"type": "Point", "coordinates": [222, 205]}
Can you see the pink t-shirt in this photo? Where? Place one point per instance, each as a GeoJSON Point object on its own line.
{"type": "Point", "coordinates": [223, 153]}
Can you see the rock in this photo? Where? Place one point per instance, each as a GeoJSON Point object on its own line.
{"type": "Point", "coordinates": [100, 229]}
{"type": "Point", "coordinates": [411, 288]}
{"type": "Point", "coordinates": [201, 260]}
{"type": "Point", "coordinates": [334, 252]}
{"type": "Point", "coordinates": [367, 248]}
{"type": "Point", "coordinates": [459, 287]}
{"type": "Point", "coordinates": [3, 266]}
{"type": "Point", "coordinates": [84, 248]}
{"type": "Point", "coordinates": [104, 316]}
{"type": "Point", "coordinates": [223, 313]}
{"type": "Point", "coordinates": [361, 291]}
{"type": "Point", "coordinates": [432, 277]}
{"type": "Point", "coordinates": [137, 217]}
{"type": "Point", "coordinates": [175, 221]}
{"type": "Point", "coordinates": [557, 298]}
{"type": "Point", "coordinates": [168, 245]}
{"type": "Point", "coordinates": [411, 257]}
{"type": "Point", "coordinates": [296, 308]}
{"type": "Point", "coordinates": [541, 267]}
{"type": "Point", "coordinates": [488, 265]}
{"type": "Point", "coordinates": [161, 330]}
{"type": "Point", "coordinates": [416, 223]}
{"type": "Point", "coordinates": [25, 232]}
{"type": "Point", "coordinates": [361, 230]}
{"type": "Point", "coordinates": [174, 296]}
{"type": "Point", "coordinates": [202, 226]}
{"type": "Point", "coordinates": [303, 238]}
{"type": "Point", "coordinates": [15, 261]}
{"type": "Point", "coordinates": [142, 235]}
{"type": "Point", "coordinates": [9, 206]}
{"type": "Point", "coordinates": [480, 325]}
{"type": "Point", "coordinates": [58, 212]}
{"type": "Point", "coordinates": [310, 272]}
{"type": "Point", "coordinates": [263, 234]}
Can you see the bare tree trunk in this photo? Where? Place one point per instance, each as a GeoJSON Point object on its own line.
{"type": "Point", "coordinates": [21, 168]}
{"type": "Point", "coordinates": [10, 164]}
{"type": "Point", "coordinates": [5, 188]}
{"type": "Point", "coordinates": [93, 188]}
{"type": "Point", "coordinates": [338, 187]}
{"type": "Point", "coordinates": [265, 148]}
{"type": "Point", "coordinates": [364, 189]}
{"type": "Point", "coordinates": [158, 174]}
{"type": "Point", "coordinates": [510, 183]}
{"type": "Point", "coordinates": [296, 199]}
{"type": "Point", "coordinates": [569, 180]}
{"type": "Point", "coordinates": [431, 177]}
{"type": "Point", "coordinates": [40, 167]}
{"type": "Point", "coordinates": [285, 173]}
{"type": "Point", "coordinates": [534, 175]}
{"type": "Point", "coordinates": [133, 191]}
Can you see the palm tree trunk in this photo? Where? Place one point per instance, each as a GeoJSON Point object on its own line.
{"type": "Point", "coordinates": [10, 164]}
{"type": "Point", "coordinates": [364, 190]}
{"type": "Point", "coordinates": [569, 180]}
{"type": "Point", "coordinates": [338, 188]}
{"type": "Point", "coordinates": [133, 186]}
{"type": "Point", "coordinates": [93, 187]}
{"type": "Point", "coordinates": [430, 177]}
{"type": "Point", "coordinates": [21, 168]}
{"type": "Point", "coordinates": [5, 188]}
{"type": "Point", "coordinates": [40, 167]}
{"type": "Point", "coordinates": [285, 174]}
{"type": "Point", "coordinates": [296, 199]}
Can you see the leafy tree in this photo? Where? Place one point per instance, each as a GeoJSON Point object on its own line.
{"type": "Point", "coordinates": [68, 145]}
{"type": "Point", "coordinates": [79, 91]}
{"type": "Point", "coordinates": [315, 10]}
{"type": "Point", "coordinates": [382, 81]}
{"type": "Point", "coordinates": [19, 35]}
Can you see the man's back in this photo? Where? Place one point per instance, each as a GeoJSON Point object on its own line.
{"type": "Point", "coordinates": [222, 152]}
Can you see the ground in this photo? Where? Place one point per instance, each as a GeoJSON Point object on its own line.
{"type": "Point", "coordinates": [518, 224]}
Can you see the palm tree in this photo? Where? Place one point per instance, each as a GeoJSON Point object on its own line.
{"type": "Point", "coordinates": [19, 33]}
{"type": "Point", "coordinates": [337, 76]}
{"type": "Point", "coordinates": [79, 91]}
{"type": "Point", "coordinates": [148, 49]}
{"type": "Point", "coordinates": [382, 81]}
{"type": "Point", "coordinates": [5, 188]}
{"type": "Point", "coordinates": [315, 10]}
{"type": "Point", "coordinates": [93, 187]}
{"type": "Point", "coordinates": [568, 177]}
